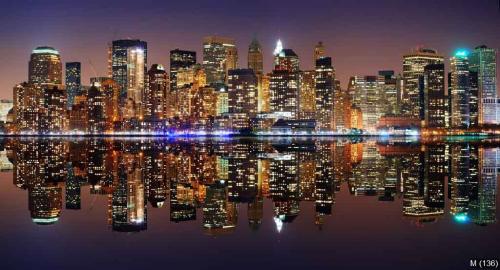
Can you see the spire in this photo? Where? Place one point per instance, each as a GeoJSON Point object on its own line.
{"type": "Point", "coordinates": [279, 47]}
{"type": "Point", "coordinates": [254, 45]}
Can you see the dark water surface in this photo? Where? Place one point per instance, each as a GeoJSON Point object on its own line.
{"type": "Point", "coordinates": [248, 203]}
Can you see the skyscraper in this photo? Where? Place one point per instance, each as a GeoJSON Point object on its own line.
{"type": "Point", "coordinates": [219, 55]}
{"type": "Point", "coordinates": [179, 60]}
{"type": "Point", "coordinates": [45, 66]}
{"type": "Point", "coordinates": [389, 92]}
{"type": "Point", "coordinates": [413, 67]}
{"type": "Point", "coordinates": [255, 58]}
{"type": "Point", "coordinates": [307, 94]}
{"type": "Point", "coordinates": [474, 98]}
{"type": "Point", "coordinates": [460, 90]}
{"type": "Point", "coordinates": [324, 84]}
{"type": "Point", "coordinates": [156, 93]}
{"type": "Point", "coordinates": [366, 96]}
{"type": "Point", "coordinates": [284, 84]}
{"type": "Point", "coordinates": [53, 117]}
{"type": "Point", "coordinates": [96, 111]}
{"type": "Point", "coordinates": [129, 68]}
{"type": "Point", "coordinates": [434, 105]}
{"type": "Point", "coordinates": [73, 81]}
{"type": "Point", "coordinates": [242, 92]}
{"type": "Point", "coordinates": [483, 61]}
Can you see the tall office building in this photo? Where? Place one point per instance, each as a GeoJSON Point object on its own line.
{"type": "Point", "coordinates": [413, 67]}
{"type": "Point", "coordinates": [53, 108]}
{"type": "Point", "coordinates": [156, 93]}
{"type": "Point", "coordinates": [96, 111]}
{"type": "Point", "coordinates": [474, 98]}
{"type": "Point", "coordinates": [255, 58]}
{"type": "Point", "coordinates": [366, 97]}
{"type": "Point", "coordinates": [434, 109]}
{"type": "Point", "coordinates": [45, 66]}
{"type": "Point", "coordinates": [128, 67]}
{"type": "Point", "coordinates": [307, 94]}
{"type": "Point", "coordinates": [263, 93]}
{"type": "Point", "coordinates": [459, 89]}
{"type": "Point", "coordinates": [483, 61]}
{"type": "Point", "coordinates": [324, 85]}
{"type": "Point", "coordinates": [284, 83]}
{"type": "Point", "coordinates": [319, 51]}
{"type": "Point", "coordinates": [390, 92]}
{"type": "Point", "coordinates": [180, 60]}
{"type": "Point", "coordinates": [242, 92]}
{"type": "Point", "coordinates": [73, 81]}
{"type": "Point", "coordinates": [219, 55]}
{"type": "Point", "coordinates": [342, 110]}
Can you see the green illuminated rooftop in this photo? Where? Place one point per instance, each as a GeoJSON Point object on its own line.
{"type": "Point", "coordinates": [45, 50]}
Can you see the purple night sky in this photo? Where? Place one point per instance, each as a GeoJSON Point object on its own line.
{"type": "Point", "coordinates": [362, 36]}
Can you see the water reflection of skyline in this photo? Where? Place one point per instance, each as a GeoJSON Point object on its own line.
{"type": "Point", "coordinates": [210, 180]}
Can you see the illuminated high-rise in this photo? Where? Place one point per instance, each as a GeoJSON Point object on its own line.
{"type": "Point", "coordinates": [255, 58]}
{"type": "Point", "coordinates": [483, 61]}
{"type": "Point", "coordinates": [307, 94]}
{"type": "Point", "coordinates": [389, 92]}
{"type": "Point", "coordinates": [53, 108]}
{"type": "Point", "coordinates": [219, 55]}
{"type": "Point", "coordinates": [459, 89]}
{"type": "Point", "coordinates": [284, 84]}
{"type": "Point", "coordinates": [413, 67]}
{"type": "Point", "coordinates": [96, 110]}
{"type": "Point", "coordinates": [180, 60]}
{"type": "Point", "coordinates": [434, 106]}
{"type": "Point", "coordinates": [324, 85]}
{"type": "Point", "coordinates": [366, 96]}
{"type": "Point", "coordinates": [45, 66]}
{"type": "Point", "coordinates": [242, 92]}
{"type": "Point", "coordinates": [73, 81]}
{"type": "Point", "coordinates": [129, 68]}
{"type": "Point", "coordinates": [154, 99]}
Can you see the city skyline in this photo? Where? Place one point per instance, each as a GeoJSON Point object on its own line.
{"type": "Point", "coordinates": [360, 41]}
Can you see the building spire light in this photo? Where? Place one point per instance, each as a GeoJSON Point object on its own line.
{"type": "Point", "coordinates": [279, 47]}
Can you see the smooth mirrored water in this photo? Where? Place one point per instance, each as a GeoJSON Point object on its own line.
{"type": "Point", "coordinates": [248, 203]}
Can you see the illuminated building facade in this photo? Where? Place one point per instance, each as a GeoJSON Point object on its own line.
{"type": "Point", "coordinates": [242, 92]}
{"type": "Point", "coordinates": [307, 94]}
{"type": "Point", "coordinates": [263, 93]}
{"type": "Point", "coordinates": [389, 92]}
{"type": "Point", "coordinates": [413, 67]}
{"type": "Point", "coordinates": [342, 110]}
{"type": "Point", "coordinates": [96, 111]}
{"type": "Point", "coordinates": [367, 93]}
{"type": "Point", "coordinates": [219, 55]}
{"type": "Point", "coordinates": [483, 61]}
{"type": "Point", "coordinates": [180, 60]}
{"type": "Point", "coordinates": [284, 84]}
{"type": "Point", "coordinates": [255, 57]}
{"type": "Point", "coordinates": [434, 110]}
{"type": "Point", "coordinates": [459, 89]}
{"type": "Point", "coordinates": [128, 68]}
{"type": "Point", "coordinates": [73, 81]}
{"type": "Point", "coordinates": [324, 85]}
{"type": "Point", "coordinates": [53, 110]}
{"type": "Point", "coordinates": [45, 66]}
{"type": "Point", "coordinates": [156, 94]}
